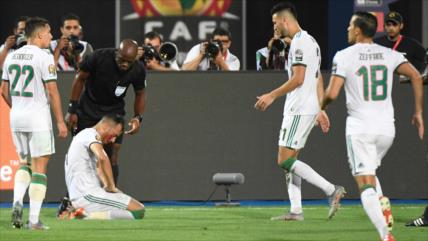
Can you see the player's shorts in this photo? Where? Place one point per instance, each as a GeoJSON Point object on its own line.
{"type": "Point", "coordinates": [99, 200]}
{"type": "Point", "coordinates": [34, 144]}
{"type": "Point", "coordinates": [365, 152]}
{"type": "Point", "coordinates": [295, 130]}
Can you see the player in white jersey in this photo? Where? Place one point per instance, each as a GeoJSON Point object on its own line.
{"type": "Point", "coordinates": [29, 88]}
{"type": "Point", "coordinates": [366, 69]}
{"type": "Point", "coordinates": [89, 177]}
{"type": "Point", "coordinates": [304, 91]}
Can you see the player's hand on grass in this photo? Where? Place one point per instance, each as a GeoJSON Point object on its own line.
{"type": "Point", "coordinates": [264, 102]}
{"type": "Point", "coordinates": [62, 130]}
{"type": "Point", "coordinates": [134, 125]}
{"type": "Point", "coordinates": [418, 121]}
{"type": "Point", "coordinates": [71, 121]}
{"type": "Point", "coordinates": [323, 121]}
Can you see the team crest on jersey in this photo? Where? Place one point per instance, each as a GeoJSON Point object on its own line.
{"type": "Point", "coordinates": [298, 55]}
{"type": "Point", "coordinates": [52, 69]}
{"type": "Point", "coordinates": [98, 137]}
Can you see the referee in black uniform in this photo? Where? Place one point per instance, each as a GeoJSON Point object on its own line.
{"type": "Point", "coordinates": [99, 88]}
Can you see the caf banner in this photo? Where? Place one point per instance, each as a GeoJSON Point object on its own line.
{"type": "Point", "coordinates": [9, 161]}
{"type": "Point", "coordinates": [183, 22]}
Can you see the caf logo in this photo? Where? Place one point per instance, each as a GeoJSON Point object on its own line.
{"type": "Point", "coordinates": [151, 8]}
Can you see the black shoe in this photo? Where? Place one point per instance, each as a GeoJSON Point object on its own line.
{"type": "Point", "coordinates": [419, 222]}
{"type": "Point", "coordinates": [17, 215]}
{"type": "Point", "coordinates": [64, 206]}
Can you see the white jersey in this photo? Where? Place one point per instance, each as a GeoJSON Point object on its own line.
{"type": "Point", "coordinates": [368, 72]}
{"type": "Point", "coordinates": [231, 60]}
{"type": "Point", "coordinates": [81, 164]}
{"type": "Point", "coordinates": [27, 70]}
{"type": "Point", "coordinates": [303, 100]}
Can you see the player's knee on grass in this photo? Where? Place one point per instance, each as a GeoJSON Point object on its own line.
{"type": "Point", "coordinates": [287, 164]}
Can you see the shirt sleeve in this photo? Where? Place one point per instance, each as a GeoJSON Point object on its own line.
{"type": "Point", "coordinates": [338, 66]}
{"type": "Point", "coordinates": [192, 54]}
{"type": "Point", "coordinates": [140, 81]}
{"type": "Point", "coordinates": [300, 54]}
{"type": "Point", "coordinates": [399, 59]}
{"type": "Point", "coordinates": [49, 69]}
{"type": "Point", "coordinates": [89, 61]}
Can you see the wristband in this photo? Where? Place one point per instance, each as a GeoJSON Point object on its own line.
{"type": "Point", "coordinates": [139, 117]}
{"type": "Point", "coordinates": [72, 107]}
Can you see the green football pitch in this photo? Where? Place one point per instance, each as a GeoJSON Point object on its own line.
{"type": "Point", "coordinates": [211, 223]}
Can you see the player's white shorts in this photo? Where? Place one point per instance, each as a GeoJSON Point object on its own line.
{"type": "Point", "coordinates": [35, 144]}
{"type": "Point", "coordinates": [295, 130]}
{"type": "Point", "coordinates": [99, 200]}
{"type": "Point", "coordinates": [365, 152]}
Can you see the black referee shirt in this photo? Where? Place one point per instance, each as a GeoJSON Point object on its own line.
{"type": "Point", "coordinates": [412, 50]}
{"type": "Point", "coordinates": [107, 85]}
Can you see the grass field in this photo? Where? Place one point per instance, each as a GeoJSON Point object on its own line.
{"type": "Point", "coordinates": [228, 224]}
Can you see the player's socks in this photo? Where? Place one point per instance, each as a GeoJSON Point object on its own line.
{"type": "Point", "coordinates": [310, 175]}
{"type": "Point", "coordinates": [294, 184]}
{"type": "Point", "coordinates": [115, 170]}
{"type": "Point", "coordinates": [22, 181]}
{"type": "Point", "coordinates": [379, 188]}
{"type": "Point", "coordinates": [37, 193]}
{"type": "Point", "coordinates": [371, 205]}
{"type": "Point", "coordinates": [117, 214]}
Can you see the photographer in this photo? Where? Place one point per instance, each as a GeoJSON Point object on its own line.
{"type": "Point", "coordinates": [275, 55]}
{"type": "Point", "coordinates": [14, 41]}
{"type": "Point", "coordinates": [149, 54]}
{"type": "Point", "coordinates": [69, 50]}
{"type": "Point", "coordinates": [212, 55]}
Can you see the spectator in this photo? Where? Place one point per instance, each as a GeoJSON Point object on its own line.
{"type": "Point", "coordinates": [153, 43]}
{"type": "Point", "coordinates": [14, 41]}
{"type": "Point", "coordinates": [69, 50]}
{"type": "Point", "coordinates": [204, 56]}
{"type": "Point", "coordinates": [409, 47]}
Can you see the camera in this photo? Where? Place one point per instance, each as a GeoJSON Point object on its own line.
{"type": "Point", "coordinates": [213, 48]}
{"type": "Point", "coordinates": [75, 43]}
{"type": "Point", "coordinates": [278, 45]}
{"type": "Point", "coordinates": [20, 40]}
{"type": "Point", "coordinates": [168, 52]}
{"type": "Point", "coordinates": [149, 53]}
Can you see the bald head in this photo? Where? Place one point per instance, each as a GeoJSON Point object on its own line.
{"type": "Point", "coordinates": [128, 49]}
{"type": "Point", "coordinates": [126, 54]}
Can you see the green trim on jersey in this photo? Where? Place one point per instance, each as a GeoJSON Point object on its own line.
{"type": "Point", "coordinates": [49, 80]}
{"type": "Point", "coordinates": [105, 201]}
{"type": "Point", "coordinates": [293, 130]}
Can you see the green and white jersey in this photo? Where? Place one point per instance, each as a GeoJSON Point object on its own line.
{"type": "Point", "coordinates": [368, 72]}
{"type": "Point", "coordinates": [81, 164]}
{"type": "Point", "coordinates": [27, 70]}
{"type": "Point", "coordinates": [303, 100]}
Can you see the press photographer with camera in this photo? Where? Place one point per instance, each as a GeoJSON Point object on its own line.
{"type": "Point", "coordinates": [274, 56]}
{"type": "Point", "coordinates": [69, 50]}
{"type": "Point", "coordinates": [213, 54]}
{"type": "Point", "coordinates": [15, 41]}
{"type": "Point", "coordinates": [157, 55]}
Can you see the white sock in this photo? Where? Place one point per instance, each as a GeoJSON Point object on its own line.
{"type": "Point", "coordinates": [37, 193]}
{"type": "Point", "coordinates": [306, 172]}
{"type": "Point", "coordinates": [371, 205]}
{"type": "Point", "coordinates": [112, 214]}
{"type": "Point", "coordinates": [22, 181]}
{"type": "Point", "coordinates": [378, 188]}
{"type": "Point", "coordinates": [294, 187]}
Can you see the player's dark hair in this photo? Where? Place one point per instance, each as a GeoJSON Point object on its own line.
{"type": "Point", "coordinates": [152, 35]}
{"type": "Point", "coordinates": [284, 6]}
{"type": "Point", "coordinates": [116, 118]}
{"type": "Point", "coordinates": [221, 32]}
{"type": "Point", "coordinates": [69, 16]}
{"type": "Point", "coordinates": [367, 22]}
{"type": "Point", "coordinates": [33, 24]}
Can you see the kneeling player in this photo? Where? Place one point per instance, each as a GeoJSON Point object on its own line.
{"type": "Point", "coordinates": [87, 168]}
